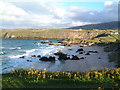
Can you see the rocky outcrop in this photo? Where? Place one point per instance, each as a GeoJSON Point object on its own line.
{"type": "Point", "coordinates": [52, 59]}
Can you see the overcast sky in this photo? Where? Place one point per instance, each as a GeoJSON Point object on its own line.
{"type": "Point", "coordinates": [55, 13]}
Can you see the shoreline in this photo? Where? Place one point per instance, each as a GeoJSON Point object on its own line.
{"type": "Point", "coordinates": [94, 61]}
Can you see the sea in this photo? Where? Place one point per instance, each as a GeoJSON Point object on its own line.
{"type": "Point", "coordinates": [12, 49]}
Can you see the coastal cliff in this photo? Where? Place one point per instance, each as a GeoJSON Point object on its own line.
{"type": "Point", "coordinates": [56, 34]}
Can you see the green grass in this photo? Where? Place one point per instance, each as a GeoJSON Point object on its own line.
{"type": "Point", "coordinates": [11, 81]}
{"type": "Point", "coordinates": [56, 79]}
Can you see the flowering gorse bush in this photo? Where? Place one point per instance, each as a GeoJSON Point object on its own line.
{"type": "Point", "coordinates": [101, 75]}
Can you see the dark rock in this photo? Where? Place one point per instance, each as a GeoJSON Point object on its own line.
{"type": "Point", "coordinates": [29, 60]}
{"type": "Point", "coordinates": [74, 57]}
{"type": "Point", "coordinates": [68, 57]}
{"type": "Point", "coordinates": [79, 50]}
{"type": "Point", "coordinates": [44, 59]}
{"type": "Point", "coordinates": [48, 59]}
{"type": "Point", "coordinates": [93, 51]}
{"type": "Point", "coordinates": [59, 53]}
{"type": "Point", "coordinates": [87, 53]}
{"type": "Point", "coordinates": [69, 49]}
{"type": "Point", "coordinates": [52, 59]}
{"type": "Point", "coordinates": [81, 53]}
{"type": "Point", "coordinates": [99, 58]}
{"type": "Point", "coordinates": [45, 42]}
{"type": "Point", "coordinates": [63, 57]}
{"type": "Point", "coordinates": [22, 57]}
{"type": "Point", "coordinates": [33, 55]}
{"type": "Point", "coordinates": [39, 56]}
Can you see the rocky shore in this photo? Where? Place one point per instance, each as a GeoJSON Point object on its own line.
{"type": "Point", "coordinates": [77, 57]}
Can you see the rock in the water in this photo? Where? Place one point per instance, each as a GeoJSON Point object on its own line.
{"type": "Point", "coordinates": [79, 50]}
{"type": "Point", "coordinates": [59, 53]}
{"type": "Point", "coordinates": [22, 57]}
{"type": "Point", "coordinates": [52, 59]}
{"type": "Point", "coordinates": [44, 59]}
{"type": "Point", "coordinates": [63, 57]}
{"type": "Point", "coordinates": [48, 59]}
{"type": "Point", "coordinates": [33, 55]}
{"type": "Point", "coordinates": [29, 60]}
{"type": "Point", "coordinates": [81, 53]}
{"type": "Point", "coordinates": [39, 56]}
{"type": "Point", "coordinates": [36, 43]}
{"type": "Point", "coordinates": [45, 42]}
{"type": "Point", "coordinates": [74, 57]}
{"type": "Point", "coordinates": [69, 49]}
{"type": "Point", "coordinates": [93, 51]}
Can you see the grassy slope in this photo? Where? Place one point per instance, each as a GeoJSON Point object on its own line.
{"type": "Point", "coordinates": [51, 33]}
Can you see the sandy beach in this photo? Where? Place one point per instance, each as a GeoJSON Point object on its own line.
{"type": "Point", "coordinates": [94, 61]}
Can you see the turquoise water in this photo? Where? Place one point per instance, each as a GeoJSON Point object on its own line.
{"type": "Point", "coordinates": [12, 49]}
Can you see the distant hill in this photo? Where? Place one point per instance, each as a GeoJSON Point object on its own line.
{"type": "Point", "coordinates": [100, 26]}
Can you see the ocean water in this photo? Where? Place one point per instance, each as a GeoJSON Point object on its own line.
{"type": "Point", "coordinates": [12, 49]}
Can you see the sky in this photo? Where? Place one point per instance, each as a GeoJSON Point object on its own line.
{"type": "Point", "coordinates": [56, 13]}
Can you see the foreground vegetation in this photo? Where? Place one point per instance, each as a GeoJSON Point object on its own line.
{"type": "Point", "coordinates": [56, 79]}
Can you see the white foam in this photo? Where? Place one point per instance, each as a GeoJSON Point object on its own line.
{"type": "Point", "coordinates": [16, 48]}
{"type": "Point", "coordinates": [1, 53]}
{"type": "Point", "coordinates": [16, 62]}
{"type": "Point", "coordinates": [2, 47]}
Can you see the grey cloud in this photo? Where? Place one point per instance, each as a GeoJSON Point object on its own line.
{"type": "Point", "coordinates": [109, 13]}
